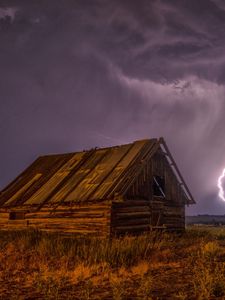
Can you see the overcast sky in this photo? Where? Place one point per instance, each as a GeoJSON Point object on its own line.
{"type": "Point", "coordinates": [79, 74]}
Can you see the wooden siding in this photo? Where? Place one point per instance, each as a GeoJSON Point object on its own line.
{"type": "Point", "coordinates": [80, 219]}
{"type": "Point", "coordinates": [171, 210]}
{"type": "Point", "coordinates": [131, 216]}
{"type": "Point", "coordinates": [142, 186]}
{"type": "Point", "coordinates": [165, 213]}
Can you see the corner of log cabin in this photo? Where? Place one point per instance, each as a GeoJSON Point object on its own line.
{"type": "Point", "coordinates": [143, 211]}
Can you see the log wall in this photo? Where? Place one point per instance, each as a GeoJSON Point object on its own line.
{"type": "Point", "coordinates": [130, 217]}
{"type": "Point", "coordinates": [78, 219]}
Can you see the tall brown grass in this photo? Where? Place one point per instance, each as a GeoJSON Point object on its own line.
{"type": "Point", "coordinates": [150, 266]}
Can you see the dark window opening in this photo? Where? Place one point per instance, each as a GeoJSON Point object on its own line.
{"type": "Point", "coordinates": [158, 186]}
{"type": "Point", "coordinates": [16, 215]}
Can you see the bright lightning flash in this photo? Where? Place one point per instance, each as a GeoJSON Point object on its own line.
{"type": "Point", "coordinates": [220, 186]}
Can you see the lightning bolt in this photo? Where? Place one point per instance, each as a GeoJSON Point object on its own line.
{"type": "Point", "coordinates": [220, 187]}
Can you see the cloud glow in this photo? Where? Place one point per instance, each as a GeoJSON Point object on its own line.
{"type": "Point", "coordinates": [8, 12]}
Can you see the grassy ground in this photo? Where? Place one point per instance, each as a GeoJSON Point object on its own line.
{"type": "Point", "coordinates": [35, 265]}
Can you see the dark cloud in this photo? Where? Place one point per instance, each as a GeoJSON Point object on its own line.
{"type": "Point", "coordinates": [78, 74]}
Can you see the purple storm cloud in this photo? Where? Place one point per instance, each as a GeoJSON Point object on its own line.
{"type": "Point", "coordinates": [80, 74]}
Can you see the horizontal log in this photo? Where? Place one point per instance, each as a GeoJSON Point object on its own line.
{"type": "Point", "coordinates": [13, 222]}
{"type": "Point", "coordinates": [131, 203]}
{"type": "Point", "coordinates": [132, 228]}
{"type": "Point", "coordinates": [158, 227]}
{"type": "Point", "coordinates": [60, 226]}
{"type": "Point", "coordinates": [174, 205]}
{"type": "Point", "coordinates": [13, 227]}
{"type": "Point", "coordinates": [63, 226]}
{"type": "Point", "coordinates": [4, 215]}
{"type": "Point", "coordinates": [131, 209]}
{"type": "Point", "coordinates": [136, 231]}
{"type": "Point", "coordinates": [158, 201]}
{"type": "Point", "coordinates": [129, 215]}
{"type": "Point", "coordinates": [158, 211]}
{"type": "Point", "coordinates": [70, 221]}
{"type": "Point", "coordinates": [3, 221]}
{"type": "Point", "coordinates": [131, 222]}
{"type": "Point", "coordinates": [80, 216]}
{"type": "Point", "coordinates": [77, 208]}
{"type": "Point", "coordinates": [68, 215]}
{"type": "Point", "coordinates": [78, 227]}
{"type": "Point", "coordinates": [83, 207]}
{"type": "Point", "coordinates": [68, 231]}
{"type": "Point", "coordinates": [44, 224]}
{"type": "Point", "coordinates": [78, 232]}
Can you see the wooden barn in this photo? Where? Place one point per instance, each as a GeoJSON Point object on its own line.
{"type": "Point", "coordinates": [110, 191]}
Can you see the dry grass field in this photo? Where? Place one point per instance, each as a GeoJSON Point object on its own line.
{"type": "Point", "coordinates": [36, 265]}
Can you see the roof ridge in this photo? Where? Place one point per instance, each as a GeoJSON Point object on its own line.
{"type": "Point", "coordinates": [94, 148]}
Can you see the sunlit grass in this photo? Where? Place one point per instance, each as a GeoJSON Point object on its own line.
{"type": "Point", "coordinates": [52, 265]}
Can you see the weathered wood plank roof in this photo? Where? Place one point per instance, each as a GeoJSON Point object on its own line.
{"type": "Point", "coordinates": [77, 177]}
{"type": "Point", "coordinates": [80, 176]}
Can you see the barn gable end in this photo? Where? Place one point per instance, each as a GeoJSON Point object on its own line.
{"type": "Point", "coordinates": [155, 199]}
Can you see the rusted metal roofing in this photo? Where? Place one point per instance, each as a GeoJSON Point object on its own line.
{"type": "Point", "coordinates": [82, 176]}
